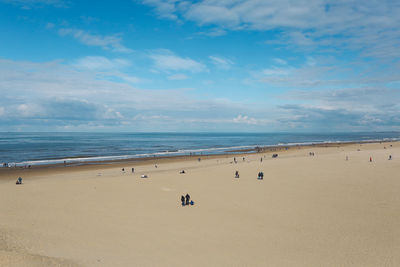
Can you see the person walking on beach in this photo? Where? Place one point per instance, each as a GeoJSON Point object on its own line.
{"type": "Point", "coordinates": [236, 174]}
{"type": "Point", "coordinates": [133, 170]}
{"type": "Point", "coordinates": [187, 199]}
{"type": "Point", "coordinates": [370, 159]}
{"type": "Point", "coordinates": [183, 200]}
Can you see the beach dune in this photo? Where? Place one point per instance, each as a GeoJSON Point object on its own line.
{"type": "Point", "coordinates": [320, 210]}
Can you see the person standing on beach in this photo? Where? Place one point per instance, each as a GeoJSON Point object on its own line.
{"type": "Point", "coordinates": [183, 200]}
{"type": "Point", "coordinates": [133, 170]}
{"type": "Point", "coordinates": [187, 199]}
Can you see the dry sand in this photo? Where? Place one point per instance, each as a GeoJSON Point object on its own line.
{"type": "Point", "coordinates": [308, 211]}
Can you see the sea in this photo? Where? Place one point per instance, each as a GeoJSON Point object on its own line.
{"type": "Point", "coordinates": [22, 149]}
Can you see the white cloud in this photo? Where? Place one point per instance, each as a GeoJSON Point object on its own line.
{"type": "Point", "coordinates": [368, 26]}
{"type": "Point", "coordinates": [275, 71]}
{"type": "Point", "coordinates": [280, 61]}
{"type": "Point", "coordinates": [100, 63]}
{"type": "Point", "coordinates": [129, 78]}
{"type": "Point", "coordinates": [50, 25]}
{"type": "Point", "coordinates": [107, 42]}
{"type": "Point", "coordinates": [167, 61]}
{"type": "Point", "coordinates": [29, 110]}
{"type": "Point", "coordinates": [222, 63]}
{"type": "Point", "coordinates": [177, 77]}
{"type": "Point", "coordinates": [244, 119]}
{"type": "Point", "coordinates": [28, 4]}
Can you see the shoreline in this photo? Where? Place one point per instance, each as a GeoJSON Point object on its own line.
{"type": "Point", "coordinates": [121, 163]}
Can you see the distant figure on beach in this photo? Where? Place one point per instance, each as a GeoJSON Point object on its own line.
{"type": "Point", "coordinates": [133, 170]}
{"type": "Point", "coordinates": [243, 159]}
{"type": "Point", "coordinates": [260, 176]}
{"type": "Point", "coordinates": [19, 181]}
{"type": "Point", "coordinates": [347, 158]}
{"type": "Point", "coordinates": [183, 200]}
{"type": "Point", "coordinates": [261, 159]}
{"type": "Point", "coordinates": [144, 176]}
{"type": "Point", "coordinates": [155, 166]}
{"type": "Point", "coordinates": [123, 169]}
{"type": "Point", "coordinates": [274, 155]}
{"type": "Point", "coordinates": [199, 159]}
{"type": "Point", "coordinates": [370, 159]}
{"type": "Point", "coordinates": [182, 172]}
{"type": "Point", "coordinates": [187, 197]}
{"type": "Point", "coordinates": [236, 174]}
{"type": "Point", "coordinates": [390, 157]}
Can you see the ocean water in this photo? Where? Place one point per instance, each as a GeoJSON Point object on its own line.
{"type": "Point", "coordinates": [51, 148]}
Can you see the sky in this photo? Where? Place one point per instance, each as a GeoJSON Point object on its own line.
{"type": "Point", "coordinates": [200, 66]}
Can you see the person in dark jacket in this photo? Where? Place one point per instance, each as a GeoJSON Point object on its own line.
{"type": "Point", "coordinates": [187, 199]}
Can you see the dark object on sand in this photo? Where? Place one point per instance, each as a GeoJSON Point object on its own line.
{"type": "Point", "coordinates": [183, 200]}
{"type": "Point", "coordinates": [123, 169]}
{"type": "Point", "coordinates": [236, 174]}
{"type": "Point", "coordinates": [19, 181]}
{"type": "Point", "coordinates": [390, 157]}
{"type": "Point", "coordinates": [133, 170]}
{"type": "Point", "coordinates": [274, 155]}
{"type": "Point", "coordinates": [260, 176]}
{"type": "Point", "coordinates": [182, 172]}
{"type": "Point", "coordinates": [187, 199]}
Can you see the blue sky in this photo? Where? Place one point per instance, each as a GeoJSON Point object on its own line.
{"type": "Point", "coordinates": [205, 65]}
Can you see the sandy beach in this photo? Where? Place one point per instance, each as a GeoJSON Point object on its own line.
{"type": "Point", "coordinates": [320, 210]}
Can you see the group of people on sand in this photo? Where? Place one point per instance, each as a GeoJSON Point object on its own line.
{"type": "Point", "coordinates": [259, 177]}
{"type": "Point", "coordinates": [311, 154]}
{"type": "Point", "coordinates": [133, 170]}
{"type": "Point", "coordinates": [186, 200]}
